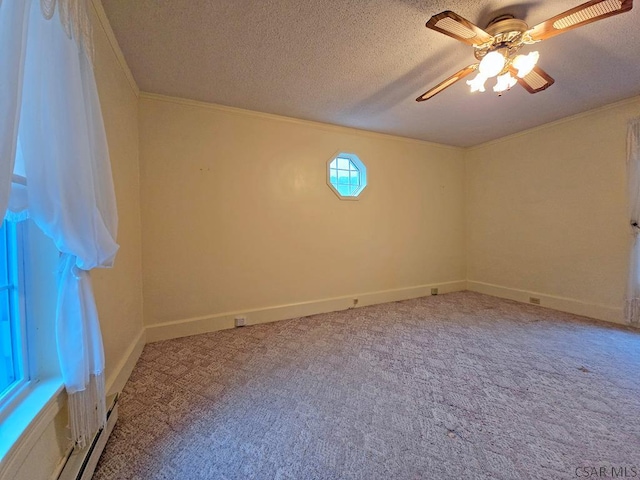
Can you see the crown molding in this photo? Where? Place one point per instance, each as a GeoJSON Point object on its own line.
{"type": "Point", "coordinates": [115, 46]}
{"type": "Point", "coordinates": [588, 113]}
{"type": "Point", "coordinates": [280, 118]}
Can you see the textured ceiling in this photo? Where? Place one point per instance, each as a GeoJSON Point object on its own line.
{"type": "Point", "coordinates": [362, 63]}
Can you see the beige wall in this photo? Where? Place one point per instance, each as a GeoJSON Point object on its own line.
{"type": "Point", "coordinates": [547, 213]}
{"type": "Point", "coordinates": [237, 214]}
{"type": "Point", "coordinates": [119, 290]}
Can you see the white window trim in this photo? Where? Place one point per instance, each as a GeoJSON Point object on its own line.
{"type": "Point", "coordinates": [31, 408]}
{"type": "Point", "coordinates": [361, 167]}
{"type": "Point", "coordinates": [16, 240]}
{"type": "Point", "coordinates": [18, 179]}
{"type": "Point", "coordinates": [27, 421]}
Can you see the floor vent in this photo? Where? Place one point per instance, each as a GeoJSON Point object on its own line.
{"type": "Point", "coordinates": [81, 463]}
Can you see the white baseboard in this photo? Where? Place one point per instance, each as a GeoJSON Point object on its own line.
{"type": "Point", "coordinates": [80, 463]}
{"type": "Point", "coordinates": [116, 380]}
{"type": "Point", "coordinates": [221, 321]}
{"type": "Point", "coordinates": [570, 305]}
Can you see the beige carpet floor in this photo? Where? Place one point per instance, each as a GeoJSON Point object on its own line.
{"type": "Point", "coordinates": [457, 386]}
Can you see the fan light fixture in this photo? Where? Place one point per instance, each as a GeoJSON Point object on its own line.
{"type": "Point", "coordinates": [492, 64]}
{"type": "Point", "coordinates": [496, 64]}
{"type": "Point", "coordinates": [525, 63]}
{"type": "Point", "coordinates": [477, 84]}
{"type": "Point", "coordinates": [505, 82]}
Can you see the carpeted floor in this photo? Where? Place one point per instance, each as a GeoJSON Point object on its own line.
{"type": "Point", "coordinates": [457, 386]}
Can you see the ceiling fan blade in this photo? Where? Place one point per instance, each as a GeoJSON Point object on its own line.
{"type": "Point", "coordinates": [535, 81]}
{"type": "Point", "coordinates": [459, 28]}
{"type": "Point", "coordinates": [447, 83]}
{"type": "Point", "coordinates": [591, 11]}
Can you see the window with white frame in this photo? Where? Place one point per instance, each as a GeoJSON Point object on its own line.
{"type": "Point", "coordinates": [28, 270]}
{"type": "Point", "coordinates": [29, 369]}
{"type": "Point", "coordinates": [14, 365]}
{"type": "Point", "coordinates": [346, 175]}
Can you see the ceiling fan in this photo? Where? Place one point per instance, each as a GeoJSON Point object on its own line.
{"type": "Point", "coordinates": [496, 47]}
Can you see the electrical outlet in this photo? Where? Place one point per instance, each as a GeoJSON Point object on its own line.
{"type": "Point", "coordinates": [434, 291]}
{"type": "Point", "coordinates": [241, 321]}
{"type": "Point", "coordinates": [534, 300]}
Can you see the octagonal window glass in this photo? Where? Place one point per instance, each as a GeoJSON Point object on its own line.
{"type": "Point", "coordinates": [346, 175]}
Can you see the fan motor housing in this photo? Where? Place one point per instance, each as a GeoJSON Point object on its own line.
{"type": "Point", "coordinates": [506, 24]}
{"type": "Point", "coordinates": [507, 32]}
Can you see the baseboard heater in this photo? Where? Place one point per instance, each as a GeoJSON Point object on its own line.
{"type": "Point", "coordinates": [81, 463]}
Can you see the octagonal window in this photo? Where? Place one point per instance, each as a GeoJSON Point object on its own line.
{"type": "Point", "coordinates": [346, 175]}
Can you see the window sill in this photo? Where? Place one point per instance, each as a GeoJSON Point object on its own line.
{"type": "Point", "coordinates": [22, 428]}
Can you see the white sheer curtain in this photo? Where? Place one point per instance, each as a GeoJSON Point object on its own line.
{"type": "Point", "coordinates": [632, 300]}
{"type": "Point", "coordinates": [69, 190]}
{"type": "Point", "coordinates": [13, 32]}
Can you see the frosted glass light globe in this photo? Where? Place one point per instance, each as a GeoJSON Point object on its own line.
{"type": "Point", "coordinates": [492, 64]}
{"type": "Point", "coordinates": [477, 83]}
{"type": "Point", "coordinates": [525, 63]}
{"type": "Point", "coordinates": [505, 82]}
